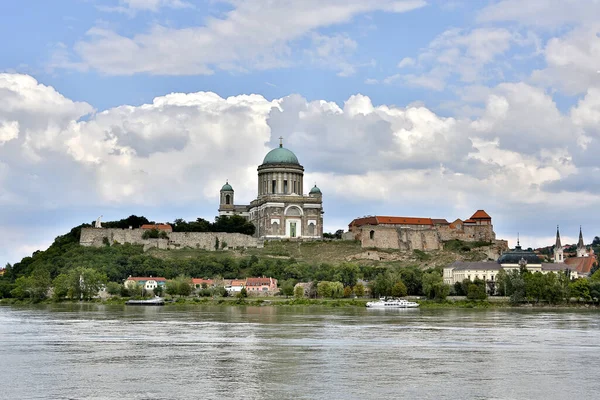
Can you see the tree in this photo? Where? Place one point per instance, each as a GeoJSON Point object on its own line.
{"type": "Point", "coordinates": [399, 289]}
{"type": "Point", "coordinates": [113, 288]}
{"type": "Point", "coordinates": [243, 293]}
{"type": "Point", "coordinates": [324, 289]}
{"type": "Point", "coordinates": [337, 289]}
{"type": "Point", "coordinates": [298, 292]}
{"type": "Point", "coordinates": [134, 289]}
{"type": "Point", "coordinates": [412, 277]}
{"type": "Point", "coordinates": [347, 273]}
{"type": "Point", "coordinates": [61, 286]}
{"type": "Point", "coordinates": [158, 290]}
{"type": "Point", "coordinates": [381, 286]}
{"type": "Point", "coordinates": [287, 287]}
{"type": "Point", "coordinates": [580, 289]}
{"type": "Point", "coordinates": [476, 292]}
{"type": "Point", "coordinates": [359, 290]}
{"type": "Point", "coordinates": [35, 286]}
{"type": "Point", "coordinates": [347, 291]}
{"type": "Point", "coordinates": [432, 282]}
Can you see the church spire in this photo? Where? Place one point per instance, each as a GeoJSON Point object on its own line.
{"type": "Point", "coordinates": [580, 243]}
{"type": "Point", "coordinates": [558, 250]}
{"type": "Point", "coordinates": [280, 141]}
{"type": "Point", "coordinates": [581, 250]}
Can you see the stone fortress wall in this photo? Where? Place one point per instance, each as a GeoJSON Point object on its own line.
{"type": "Point", "coordinates": [400, 238]}
{"type": "Point", "coordinates": [95, 237]}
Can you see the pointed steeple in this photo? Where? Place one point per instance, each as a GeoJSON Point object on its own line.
{"type": "Point", "coordinates": [558, 250]}
{"type": "Point", "coordinates": [580, 243]}
{"type": "Point", "coordinates": [581, 250]}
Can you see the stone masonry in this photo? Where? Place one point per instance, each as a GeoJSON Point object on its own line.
{"type": "Point", "coordinates": [176, 240]}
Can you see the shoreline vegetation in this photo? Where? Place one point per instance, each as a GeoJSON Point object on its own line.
{"type": "Point", "coordinates": [494, 303]}
{"type": "Point", "coordinates": [332, 272]}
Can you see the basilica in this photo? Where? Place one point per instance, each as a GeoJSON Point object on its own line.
{"type": "Point", "coordinates": [281, 210]}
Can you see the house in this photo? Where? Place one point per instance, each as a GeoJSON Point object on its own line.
{"type": "Point", "coordinates": [235, 286]}
{"type": "Point", "coordinates": [261, 285]}
{"type": "Point", "coordinates": [198, 283]}
{"type": "Point", "coordinates": [148, 283]}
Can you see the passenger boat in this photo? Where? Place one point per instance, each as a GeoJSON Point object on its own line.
{"type": "Point", "coordinates": [157, 301]}
{"type": "Point", "coordinates": [392, 303]}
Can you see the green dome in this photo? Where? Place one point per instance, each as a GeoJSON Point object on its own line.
{"type": "Point", "coordinates": [315, 190]}
{"type": "Point", "coordinates": [227, 188]}
{"type": "Point", "coordinates": [281, 155]}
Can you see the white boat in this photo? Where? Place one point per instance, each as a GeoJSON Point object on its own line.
{"type": "Point", "coordinates": [392, 303]}
{"type": "Point", "coordinates": [156, 301]}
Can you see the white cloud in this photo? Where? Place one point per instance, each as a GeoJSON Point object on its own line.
{"type": "Point", "coordinates": [468, 55]}
{"type": "Point", "coordinates": [130, 7]}
{"type": "Point", "coordinates": [9, 130]}
{"type": "Point", "coordinates": [177, 151]}
{"type": "Point", "coordinates": [251, 36]}
{"type": "Point", "coordinates": [549, 14]}
{"type": "Point", "coordinates": [572, 61]}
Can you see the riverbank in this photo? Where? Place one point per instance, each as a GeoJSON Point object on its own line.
{"type": "Point", "coordinates": [282, 302]}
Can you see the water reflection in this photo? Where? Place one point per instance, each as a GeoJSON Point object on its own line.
{"type": "Point", "coordinates": [100, 351]}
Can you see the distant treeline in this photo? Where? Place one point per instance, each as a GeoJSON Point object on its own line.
{"type": "Point", "coordinates": [225, 223]}
{"type": "Point", "coordinates": [119, 261]}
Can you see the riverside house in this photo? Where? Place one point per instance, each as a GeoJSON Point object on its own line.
{"type": "Point", "coordinates": [261, 285]}
{"type": "Point", "coordinates": [148, 283]}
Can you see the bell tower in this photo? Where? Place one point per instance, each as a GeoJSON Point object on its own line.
{"type": "Point", "coordinates": [226, 200]}
{"type": "Point", "coordinates": [558, 250]}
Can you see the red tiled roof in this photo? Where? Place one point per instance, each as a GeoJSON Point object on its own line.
{"type": "Point", "coordinates": [385, 220]}
{"type": "Point", "coordinates": [258, 281]}
{"type": "Point", "coordinates": [480, 214]}
{"type": "Point", "coordinates": [160, 227]}
{"type": "Point", "coordinates": [404, 220]}
{"type": "Point", "coordinates": [470, 221]}
{"type": "Point", "coordinates": [200, 281]}
{"type": "Point", "coordinates": [238, 282]}
{"type": "Point", "coordinates": [141, 278]}
{"type": "Point", "coordinates": [583, 265]}
{"type": "Point", "coordinates": [440, 221]}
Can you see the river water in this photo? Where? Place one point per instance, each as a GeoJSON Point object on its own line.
{"type": "Point", "coordinates": [213, 352]}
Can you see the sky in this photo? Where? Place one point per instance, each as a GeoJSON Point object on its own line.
{"type": "Point", "coordinates": [423, 108]}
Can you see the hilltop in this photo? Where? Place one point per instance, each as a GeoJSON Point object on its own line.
{"type": "Point", "coordinates": [284, 260]}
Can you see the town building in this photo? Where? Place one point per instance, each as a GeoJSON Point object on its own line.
{"type": "Point", "coordinates": [148, 283]}
{"type": "Point", "coordinates": [261, 285]}
{"type": "Point", "coordinates": [281, 209]}
{"type": "Point", "coordinates": [510, 260]}
{"type": "Point", "coordinates": [197, 283]}
{"type": "Point", "coordinates": [410, 233]}
{"type": "Point", "coordinates": [584, 260]}
{"type": "Point", "coordinates": [235, 286]}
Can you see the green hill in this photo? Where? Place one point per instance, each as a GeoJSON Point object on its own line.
{"type": "Point", "coordinates": [334, 260]}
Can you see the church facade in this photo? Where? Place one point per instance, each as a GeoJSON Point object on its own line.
{"type": "Point", "coordinates": [281, 210]}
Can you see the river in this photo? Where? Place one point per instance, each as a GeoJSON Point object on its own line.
{"type": "Point", "coordinates": [226, 352]}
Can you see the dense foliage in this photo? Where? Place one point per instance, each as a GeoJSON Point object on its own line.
{"type": "Point", "coordinates": [66, 264]}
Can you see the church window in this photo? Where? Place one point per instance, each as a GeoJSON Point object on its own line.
{"type": "Point", "coordinates": [295, 187]}
{"type": "Point", "coordinates": [311, 229]}
{"type": "Point", "coordinates": [285, 186]}
{"type": "Point", "coordinates": [275, 228]}
{"type": "Point", "coordinates": [273, 186]}
{"type": "Point", "coordinates": [227, 199]}
{"type": "Point", "coordinates": [372, 235]}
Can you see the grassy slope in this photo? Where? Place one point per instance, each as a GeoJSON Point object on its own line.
{"type": "Point", "coordinates": [333, 252]}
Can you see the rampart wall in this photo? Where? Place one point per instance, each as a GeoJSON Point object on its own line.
{"type": "Point", "coordinates": [400, 238]}
{"type": "Point", "coordinates": [198, 240]}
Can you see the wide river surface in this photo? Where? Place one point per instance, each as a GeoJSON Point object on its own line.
{"type": "Point", "coordinates": [213, 352]}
